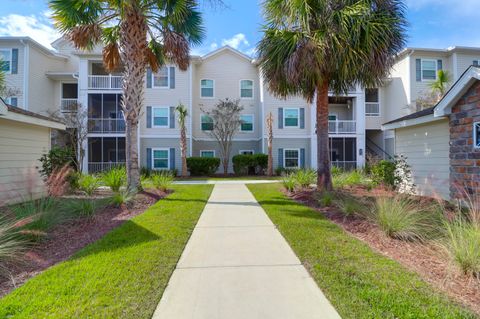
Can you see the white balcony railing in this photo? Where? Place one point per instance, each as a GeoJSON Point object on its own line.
{"type": "Point", "coordinates": [97, 167]}
{"type": "Point", "coordinates": [69, 105]}
{"type": "Point", "coordinates": [342, 127]}
{"type": "Point", "coordinates": [105, 82]}
{"type": "Point", "coordinates": [372, 109]}
{"type": "Point", "coordinates": [106, 125]}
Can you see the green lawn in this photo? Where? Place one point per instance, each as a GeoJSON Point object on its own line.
{"type": "Point", "coordinates": [123, 275]}
{"type": "Point", "coordinates": [359, 282]}
{"type": "Point", "coordinates": [230, 178]}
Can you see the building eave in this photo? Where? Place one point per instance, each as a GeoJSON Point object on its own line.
{"type": "Point", "coordinates": [411, 122]}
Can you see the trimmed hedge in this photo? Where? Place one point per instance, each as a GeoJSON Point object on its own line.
{"type": "Point", "coordinates": [250, 164]}
{"type": "Point", "coordinates": [202, 166]}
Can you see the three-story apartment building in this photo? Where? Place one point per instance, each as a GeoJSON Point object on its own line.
{"type": "Point", "coordinates": [69, 77]}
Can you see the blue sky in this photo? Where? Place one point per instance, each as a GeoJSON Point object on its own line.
{"type": "Point", "coordinates": [433, 23]}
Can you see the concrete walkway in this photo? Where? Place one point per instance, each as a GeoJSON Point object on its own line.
{"type": "Point", "coordinates": [237, 265]}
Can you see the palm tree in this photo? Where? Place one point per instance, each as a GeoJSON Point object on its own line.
{"type": "Point", "coordinates": [312, 46]}
{"type": "Point", "coordinates": [182, 116]}
{"type": "Point", "coordinates": [135, 34]}
{"type": "Point", "coordinates": [440, 85]}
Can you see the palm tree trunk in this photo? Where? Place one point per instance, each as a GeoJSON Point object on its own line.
{"type": "Point", "coordinates": [324, 179]}
{"type": "Point", "coordinates": [183, 150]}
{"type": "Point", "coordinates": [133, 42]}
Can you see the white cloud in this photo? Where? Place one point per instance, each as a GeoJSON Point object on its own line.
{"type": "Point", "coordinates": [237, 41]}
{"type": "Point", "coordinates": [37, 27]}
{"type": "Point", "coordinates": [213, 46]}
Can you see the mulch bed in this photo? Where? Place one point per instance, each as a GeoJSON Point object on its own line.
{"type": "Point", "coordinates": [427, 260]}
{"type": "Point", "coordinates": [67, 238]}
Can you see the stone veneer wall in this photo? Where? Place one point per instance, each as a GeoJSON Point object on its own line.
{"type": "Point", "coordinates": [464, 157]}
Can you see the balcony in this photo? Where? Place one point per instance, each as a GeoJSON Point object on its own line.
{"type": "Point", "coordinates": [68, 105]}
{"type": "Point", "coordinates": [98, 167]}
{"type": "Point", "coordinates": [105, 82]}
{"type": "Point", "coordinates": [342, 127]}
{"type": "Point", "coordinates": [106, 125]}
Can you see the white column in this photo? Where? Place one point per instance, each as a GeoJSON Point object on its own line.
{"type": "Point", "coordinates": [359, 109]}
{"type": "Point", "coordinates": [83, 101]}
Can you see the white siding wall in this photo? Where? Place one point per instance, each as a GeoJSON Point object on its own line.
{"type": "Point", "coordinates": [21, 145]}
{"type": "Point", "coordinates": [427, 149]}
{"type": "Point", "coordinates": [396, 92]}
{"type": "Point", "coordinates": [15, 81]}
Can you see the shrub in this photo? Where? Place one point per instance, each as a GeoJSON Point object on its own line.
{"type": "Point", "coordinates": [403, 218]}
{"type": "Point", "coordinates": [162, 181]}
{"type": "Point", "coordinates": [403, 176]}
{"type": "Point", "coordinates": [326, 199]}
{"type": "Point", "coordinates": [88, 184]}
{"type": "Point", "coordinates": [350, 206]}
{"type": "Point", "coordinates": [12, 245]}
{"type": "Point", "coordinates": [289, 182]}
{"type": "Point", "coordinates": [462, 243]}
{"type": "Point", "coordinates": [335, 170]}
{"type": "Point", "coordinates": [121, 198]}
{"type": "Point", "coordinates": [305, 177]}
{"type": "Point", "coordinates": [202, 166]}
{"type": "Point", "coordinates": [82, 207]}
{"type": "Point", "coordinates": [115, 178]}
{"type": "Point", "coordinates": [249, 164]}
{"type": "Point", "coordinates": [384, 173]}
{"type": "Point", "coordinates": [56, 158]}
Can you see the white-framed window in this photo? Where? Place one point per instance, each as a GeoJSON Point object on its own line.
{"type": "Point", "coordinates": [291, 158]}
{"type": "Point", "coordinates": [429, 69]}
{"type": "Point", "coordinates": [246, 89]}
{"type": "Point", "coordinates": [161, 158]}
{"type": "Point", "coordinates": [161, 79]}
{"type": "Point", "coordinates": [160, 117]}
{"type": "Point", "coordinates": [476, 63]}
{"type": "Point", "coordinates": [206, 123]}
{"type": "Point", "coordinates": [247, 123]}
{"type": "Point", "coordinates": [291, 117]}
{"type": "Point", "coordinates": [372, 102]}
{"type": "Point", "coordinates": [6, 60]}
{"type": "Point", "coordinates": [207, 153]}
{"type": "Point", "coordinates": [207, 88]}
{"type": "Point", "coordinates": [246, 152]}
{"type": "Point", "coordinates": [476, 134]}
{"type": "Point", "coordinates": [12, 100]}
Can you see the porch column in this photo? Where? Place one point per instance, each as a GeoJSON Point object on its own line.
{"type": "Point", "coordinates": [359, 108]}
{"type": "Point", "coordinates": [83, 105]}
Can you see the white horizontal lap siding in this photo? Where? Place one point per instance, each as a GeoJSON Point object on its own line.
{"type": "Point", "coordinates": [464, 61]}
{"type": "Point", "coordinates": [427, 150]}
{"type": "Point", "coordinates": [397, 91]}
{"type": "Point", "coordinates": [272, 104]}
{"type": "Point", "coordinates": [15, 81]}
{"type": "Point", "coordinates": [21, 146]}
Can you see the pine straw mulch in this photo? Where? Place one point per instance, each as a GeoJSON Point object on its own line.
{"type": "Point", "coordinates": [65, 239]}
{"type": "Point", "coordinates": [428, 260]}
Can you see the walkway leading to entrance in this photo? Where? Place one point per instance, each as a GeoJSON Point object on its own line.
{"type": "Point", "coordinates": [237, 265]}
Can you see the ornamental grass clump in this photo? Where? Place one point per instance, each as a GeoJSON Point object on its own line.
{"type": "Point", "coordinates": [12, 244]}
{"type": "Point", "coordinates": [88, 184]}
{"type": "Point", "coordinates": [289, 182]}
{"type": "Point", "coordinates": [350, 206]}
{"type": "Point", "coordinates": [122, 198]}
{"type": "Point", "coordinates": [115, 178]}
{"type": "Point", "coordinates": [162, 181]}
{"type": "Point", "coordinates": [402, 218]}
{"type": "Point", "coordinates": [84, 208]}
{"type": "Point", "coordinates": [305, 177]}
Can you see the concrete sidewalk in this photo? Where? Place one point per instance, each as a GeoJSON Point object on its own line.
{"type": "Point", "coordinates": [237, 265]}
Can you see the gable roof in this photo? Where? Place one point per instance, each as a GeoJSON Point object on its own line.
{"type": "Point", "coordinates": [229, 49]}
{"type": "Point", "coordinates": [13, 113]}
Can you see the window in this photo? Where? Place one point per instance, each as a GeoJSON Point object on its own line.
{"type": "Point", "coordinates": [372, 105]}
{"type": "Point", "coordinates": [291, 158]}
{"type": "Point", "coordinates": [476, 63]}
{"type": "Point", "coordinates": [13, 101]}
{"type": "Point", "coordinates": [247, 123]}
{"type": "Point", "coordinates": [160, 158]}
{"type": "Point", "coordinates": [429, 70]}
{"type": "Point", "coordinates": [246, 89]}
{"type": "Point", "coordinates": [246, 152]}
{"type": "Point", "coordinates": [6, 60]}
{"type": "Point", "coordinates": [206, 123]}
{"type": "Point", "coordinates": [290, 118]}
{"type": "Point", "coordinates": [476, 134]}
{"type": "Point", "coordinates": [206, 87]}
{"type": "Point", "coordinates": [332, 117]}
{"type": "Point", "coordinates": [161, 79]}
{"type": "Point", "coordinates": [161, 117]}
{"type": "Point", "coordinates": [209, 154]}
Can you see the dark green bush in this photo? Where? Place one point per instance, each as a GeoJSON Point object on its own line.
{"type": "Point", "coordinates": [56, 158]}
{"type": "Point", "coordinates": [250, 164]}
{"type": "Point", "coordinates": [384, 173]}
{"type": "Point", "coordinates": [202, 166]}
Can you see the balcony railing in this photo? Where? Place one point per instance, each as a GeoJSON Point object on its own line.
{"type": "Point", "coordinates": [97, 167]}
{"type": "Point", "coordinates": [342, 127]}
{"type": "Point", "coordinates": [106, 125]}
{"type": "Point", "coordinates": [68, 105]}
{"type": "Point", "coordinates": [372, 109]}
{"type": "Point", "coordinates": [105, 82]}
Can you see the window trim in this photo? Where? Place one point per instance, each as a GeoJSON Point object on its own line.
{"type": "Point", "coordinates": [421, 69]}
{"type": "Point", "coordinates": [153, 117]}
{"type": "Point", "coordinates": [475, 137]}
{"type": "Point", "coordinates": [284, 117]}
{"type": "Point", "coordinates": [168, 80]}
{"type": "Point", "coordinates": [10, 61]}
{"type": "Point", "coordinates": [285, 158]}
{"type": "Point", "coordinates": [214, 153]}
{"type": "Point", "coordinates": [379, 114]}
{"type": "Point", "coordinates": [153, 159]}
{"type": "Point", "coordinates": [213, 89]}
{"type": "Point", "coordinates": [253, 123]}
{"type": "Point", "coordinates": [253, 89]}
{"type": "Point", "coordinates": [240, 152]}
{"type": "Point", "coordinates": [201, 129]}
